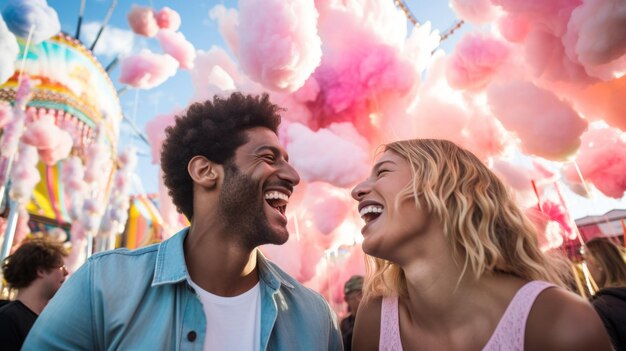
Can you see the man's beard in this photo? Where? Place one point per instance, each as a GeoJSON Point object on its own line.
{"type": "Point", "coordinates": [242, 210]}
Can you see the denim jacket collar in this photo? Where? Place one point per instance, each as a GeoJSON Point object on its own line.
{"type": "Point", "coordinates": [171, 267]}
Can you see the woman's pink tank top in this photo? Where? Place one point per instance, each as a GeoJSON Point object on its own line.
{"type": "Point", "coordinates": [508, 335]}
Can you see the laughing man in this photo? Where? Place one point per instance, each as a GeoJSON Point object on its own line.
{"type": "Point", "coordinates": [208, 287]}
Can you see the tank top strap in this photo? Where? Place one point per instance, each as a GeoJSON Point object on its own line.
{"type": "Point", "coordinates": [511, 330]}
{"type": "Point", "coordinates": [389, 325]}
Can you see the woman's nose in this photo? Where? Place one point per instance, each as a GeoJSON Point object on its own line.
{"type": "Point", "coordinates": [360, 190]}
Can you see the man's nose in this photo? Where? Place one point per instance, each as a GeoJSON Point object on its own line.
{"type": "Point", "coordinates": [289, 174]}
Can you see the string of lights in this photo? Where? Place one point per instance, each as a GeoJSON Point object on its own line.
{"type": "Point", "coordinates": [453, 29]}
{"type": "Point", "coordinates": [409, 15]}
{"type": "Point", "coordinates": [407, 12]}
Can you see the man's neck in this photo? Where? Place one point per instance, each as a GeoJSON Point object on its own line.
{"type": "Point", "coordinates": [32, 299]}
{"type": "Point", "coordinates": [221, 267]}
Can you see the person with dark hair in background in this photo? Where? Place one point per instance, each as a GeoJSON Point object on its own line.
{"type": "Point", "coordinates": [455, 264]}
{"type": "Point", "coordinates": [208, 287]}
{"type": "Point", "coordinates": [606, 264]}
{"type": "Point", "coordinates": [352, 294]}
{"type": "Point", "coordinates": [36, 269]}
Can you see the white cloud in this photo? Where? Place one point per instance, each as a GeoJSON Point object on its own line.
{"type": "Point", "coordinates": [113, 41]}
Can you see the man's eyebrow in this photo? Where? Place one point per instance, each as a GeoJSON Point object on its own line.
{"type": "Point", "coordinates": [276, 151]}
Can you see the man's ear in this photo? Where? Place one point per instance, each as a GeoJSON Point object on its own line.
{"type": "Point", "coordinates": [204, 172]}
{"type": "Point", "coordinates": [41, 272]}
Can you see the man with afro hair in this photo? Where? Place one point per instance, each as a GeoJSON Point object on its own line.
{"type": "Point", "coordinates": [208, 287]}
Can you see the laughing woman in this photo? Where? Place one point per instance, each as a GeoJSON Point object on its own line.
{"type": "Point", "coordinates": [454, 263]}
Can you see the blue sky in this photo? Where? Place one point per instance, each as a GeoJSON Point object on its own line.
{"type": "Point", "coordinates": [142, 105]}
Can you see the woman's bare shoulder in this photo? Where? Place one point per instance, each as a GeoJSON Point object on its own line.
{"type": "Point", "coordinates": [561, 320]}
{"type": "Point", "coordinates": [367, 325]}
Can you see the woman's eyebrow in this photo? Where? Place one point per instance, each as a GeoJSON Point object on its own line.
{"type": "Point", "coordinates": [380, 164]}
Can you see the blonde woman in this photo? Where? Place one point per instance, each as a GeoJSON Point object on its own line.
{"type": "Point", "coordinates": [455, 264]}
{"type": "Point", "coordinates": [608, 268]}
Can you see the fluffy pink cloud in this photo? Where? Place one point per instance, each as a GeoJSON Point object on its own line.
{"type": "Point", "coordinates": [147, 70]}
{"type": "Point", "coordinates": [142, 21]}
{"type": "Point", "coordinates": [52, 142]}
{"type": "Point", "coordinates": [475, 60]}
{"type": "Point", "coordinates": [278, 42]}
{"type": "Point", "coordinates": [167, 18]}
{"type": "Point", "coordinates": [602, 161]}
{"type": "Point", "coordinates": [338, 157]}
{"type": "Point", "coordinates": [228, 25]}
{"type": "Point", "coordinates": [175, 45]}
{"type": "Point", "coordinates": [547, 126]}
{"type": "Point", "coordinates": [474, 11]}
{"type": "Point", "coordinates": [6, 113]}
{"type": "Point", "coordinates": [155, 130]}
{"type": "Point", "coordinates": [354, 83]}
{"type": "Point", "coordinates": [603, 101]}
{"type": "Point", "coordinates": [596, 37]}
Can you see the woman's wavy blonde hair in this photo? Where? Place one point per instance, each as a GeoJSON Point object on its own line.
{"type": "Point", "coordinates": [479, 217]}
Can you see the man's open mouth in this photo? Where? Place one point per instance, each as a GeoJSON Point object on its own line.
{"type": "Point", "coordinates": [277, 200]}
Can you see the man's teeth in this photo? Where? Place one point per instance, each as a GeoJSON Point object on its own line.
{"type": "Point", "coordinates": [370, 209]}
{"type": "Point", "coordinates": [276, 195]}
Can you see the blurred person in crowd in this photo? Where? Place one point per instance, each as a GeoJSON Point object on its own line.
{"type": "Point", "coordinates": [606, 264]}
{"type": "Point", "coordinates": [207, 287]}
{"type": "Point", "coordinates": [352, 294]}
{"type": "Point", "coordinates": [455, 265]}
{"type": "Point", "coordinates": [36, 270]}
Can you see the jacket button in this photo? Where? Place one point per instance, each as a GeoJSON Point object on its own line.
{"type": "Point", "coordinates": [191, 336]}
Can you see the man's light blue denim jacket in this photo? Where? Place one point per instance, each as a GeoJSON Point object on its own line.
{"type": "Point", "coordinates": [140, 300]}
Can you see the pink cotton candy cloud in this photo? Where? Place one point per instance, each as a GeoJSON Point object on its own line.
{"type": "Point", "coordinates": [214, 72]}
{"type": "Point", "coordinates": [474, 11]}
{"type": "Point", "coordinates": [6, 113]}
{"type": "Point", "coordinates": [175, 44]}
{"type": "Point", "coordinates": [42, 133]}
{"type": "Point", "coordinates": [596, 37]}
{"type": "Point", "coordinates": [513, 27]}
{"type": "Point", "coordinates": [546, 126]}
{"type": "Point", "coordinates": [98, 155]}
{"type": "Point", "coordinates": [326, 156]}
{"type": "Point", "coordinates": [142, 21]}
{"type": "Point", "coordinates": [346, 24]}
{"type": "Point", "coordinates": [24, 174]}
{"type": "Point", "coordinates": [602, 161]}
{"type": "Point", "coordinates": [51, 156]}
{"type": "Point", "coordinates": [167, 18]}
{"type": "Point", "coordinates": [516, 176]}
{"type": "Point", "coordinates": [155, 129]}
{"type": "Point", "coordinates": [326, 207]}
{"type": "Point", "coordinates": [604, 101]}
{"type": "Point", "coordinates": [278, 42]}
{"type": "Point", "coordinates": [147, 70]}
{"type": "Point", "coordinates": [439, 119]}
{"type": "Point", "coordinates": [228, 25]}
{"type": "Point", "coordinates": [542, 24]}
{"type": "Point", "coordinates": [475, 60]}
{"type": "Point", "coordinates": [486, 137]}
{"type": "Point", "coordinates": [352, 84]}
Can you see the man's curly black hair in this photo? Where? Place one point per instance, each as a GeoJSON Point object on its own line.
{"type": "Point", "coordinates": [20, 269]}
{"type": "Point", "coordinates": [213, 129]}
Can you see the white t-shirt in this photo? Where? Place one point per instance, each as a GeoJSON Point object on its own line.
{"type": "Point", "coordinates": [233, 323]}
